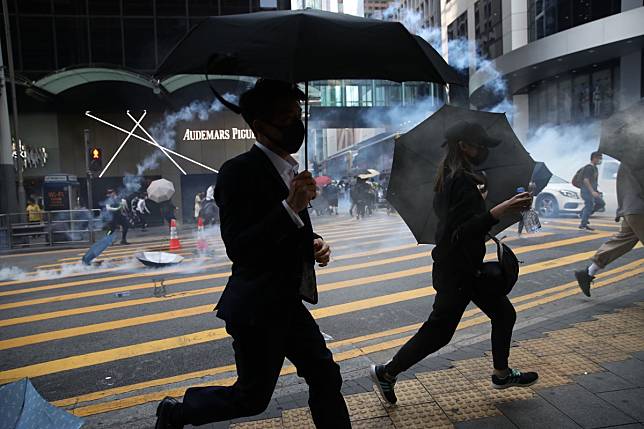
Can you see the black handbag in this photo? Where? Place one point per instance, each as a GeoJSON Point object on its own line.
{"type": "Point", "coordinates": [499, 276]}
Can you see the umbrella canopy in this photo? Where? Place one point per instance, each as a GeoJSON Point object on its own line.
{"type": "Point", "coordinates": [417, 155]}
{"type": "Point", "coordinates": [98, 248]}
{"type": "Point", "coordinates": [158, 259]}
{"type": "Point", "coordinates": [306, 45]}
{"type": "Point", "coordinates": [540, 176]}
{"type": "Point", "coordinates": [322, 180]}
{"type": "Point", "coordinates": [160, 190]}
{"type": "Point", "coordinates": [23, 407]}
{"type": "Point", "coordinates": [622, 136]}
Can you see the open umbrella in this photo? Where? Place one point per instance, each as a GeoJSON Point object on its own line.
{"type": "Point", "coordinates": [417, 155]}
{"type": "Point", "coordinates": [322, 180]}
{"type": "Point", "coordinates": [540, 176]}
{"type": "Point", "coordinates": [98, 248]}
{"type": "Point", "coordinates": [160, 190]}
{"type": "Point", "coordinates": [622, 136]}
{"type": "Point", "coordinates": [303, 46]}
{"type": "Point", "coordinates": [23, 407]}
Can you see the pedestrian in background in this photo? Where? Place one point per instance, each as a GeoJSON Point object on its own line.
{"type": "Point", "coordinates": [463, 224]}
{"type": "Point", "coordinates": [34, 212]}
{"type": "Point", "coordinates": [589, 192]}
{"type": "Point", "coordinates": [198, 199]}
{"type": "Point", "coordinates": [630, 209]}
{"type": "Point", "coordinates": [143, 211]}
{"type": "Point", "coordinates": [115, 207]}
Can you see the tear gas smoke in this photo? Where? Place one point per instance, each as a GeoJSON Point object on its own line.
{"type": "Point", "coordinates": [564, 148]}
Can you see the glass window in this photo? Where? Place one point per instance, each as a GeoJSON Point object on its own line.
{"type": "Point", "coordinates": [36, 43]}
{"type": "Point", "coordinates": [169, 32]}
{"type": "Point", "coordinates": [34, 6]}
{"type": "Point", "coordinates": [231, 7]}
{"type": "Point", "coordinates": [138, 7]}
{"type": "Point", "coordinates": [106, 40]}
{"type": "Point", "coordinates": [71, 33]}
{"type": "Point", "coordinates": [102, 7]}
{"type": "Point", "coordinates": [139, 43]}
{"type": "Point", "coordinates": [488, 28]}
{"type": "Point", "coordinates": [565, 101]}
{"type": "Point", "coordinates": [602, 95]}
{"type": "Point", "coordinates": [581, 97]}
{"type": "Point", "coordinates": [203, 7]}
{"type": "Point", "coordinates": [171, 7]}
{"type": "Point", "coordinates": [70, 7]}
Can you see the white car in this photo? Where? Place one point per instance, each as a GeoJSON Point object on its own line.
{"type": "Point", "coordinates": [558, 197]}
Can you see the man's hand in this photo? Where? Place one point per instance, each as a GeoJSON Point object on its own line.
{"type": "Point", "coordinates": [516, 204]}
{"type": "Point", "coordinates": [322, 252]}
{"type": "Point", "coordinates": [302, 191]}
{"type": "Point", "coordinates": [596, 194]}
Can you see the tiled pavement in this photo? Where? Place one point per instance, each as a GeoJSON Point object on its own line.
{"type": "Point", "coordinates": [591, 376]}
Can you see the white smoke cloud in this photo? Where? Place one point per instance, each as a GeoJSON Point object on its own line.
{"type": "Point", "coordinates": [564, 148]}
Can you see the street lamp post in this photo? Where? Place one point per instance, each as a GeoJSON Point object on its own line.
{"type": "Point", "coordinates": [22, 200]}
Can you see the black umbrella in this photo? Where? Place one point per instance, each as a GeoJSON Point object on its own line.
{"type": "Point", "coordinates": [417, 155]}
{"type": "Point", "coordinates": [623, 136]}
{"type": "Point", "coordinates": [540, 176]}
{"type": "Point", "coordinates": [303, 46]}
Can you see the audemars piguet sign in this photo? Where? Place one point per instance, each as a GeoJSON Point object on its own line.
{"type": "Point", "coordinates": [226, 134]}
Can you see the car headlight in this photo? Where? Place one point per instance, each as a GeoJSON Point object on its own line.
{"type": "Point", "coordinates": [569, 194]}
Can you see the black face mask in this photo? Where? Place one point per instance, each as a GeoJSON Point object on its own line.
{"type": "Point", "coordinates": [292, 136]}
{"type": "Point", "coordinates": [481, 157]}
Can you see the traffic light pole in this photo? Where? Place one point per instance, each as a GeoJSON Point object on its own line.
{"type": "Point", "coordinates": [90, 199]}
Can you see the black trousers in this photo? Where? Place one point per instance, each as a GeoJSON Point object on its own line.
{"type": "Point", "coordinates": [119, 219]}
{"type": "Point", "coordinates": [259, 355]}
{"type": "Point", "coordinates": [450, 303]}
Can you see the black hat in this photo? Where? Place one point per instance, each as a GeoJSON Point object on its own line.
{"type": "Point", "coordinates": [470, 133]}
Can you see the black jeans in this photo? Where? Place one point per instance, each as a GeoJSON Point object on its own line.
{"type": "Point", "coordinates": [449, 304]}
{"type": "Point", "coordinates": [259, 355]}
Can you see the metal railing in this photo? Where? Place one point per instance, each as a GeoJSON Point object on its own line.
{"type": "Point", "coordinates": [49, 228]}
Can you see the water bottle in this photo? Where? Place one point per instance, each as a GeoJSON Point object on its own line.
{"type": "Point", "coordinates": [531, 221]}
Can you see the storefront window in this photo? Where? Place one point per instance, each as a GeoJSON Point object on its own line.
{"type": "Point", "coordinates": [579, 96]}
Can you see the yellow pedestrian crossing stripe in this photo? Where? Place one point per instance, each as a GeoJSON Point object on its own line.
{"type": "Point", "coordinates": [612, 276]}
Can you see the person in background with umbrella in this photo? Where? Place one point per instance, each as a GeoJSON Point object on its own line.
{"type": "Point", "coordinates": [463, 223]}
{"type": "Point", "coordinates": [268, 236]}
{"type": "Point", "coordinates": [115, 208]}
{"type": "Point", "coordinates": [630, 208]}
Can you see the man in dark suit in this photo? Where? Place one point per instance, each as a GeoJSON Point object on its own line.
{"type": "Point", "coordinates": [268, 236]}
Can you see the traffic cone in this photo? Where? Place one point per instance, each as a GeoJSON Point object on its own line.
{"type": "Point", "coordinates": [174, 239]}
{"type": "Point", "coordinates": [202, 244]}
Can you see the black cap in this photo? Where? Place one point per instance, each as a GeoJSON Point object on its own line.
{"type": "Point", "coordinates": [470, 133]}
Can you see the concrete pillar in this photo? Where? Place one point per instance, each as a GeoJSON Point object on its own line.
{"type": "Point", "coordinates": [630, 4]}
{"type": "Point", "coordinates": [520, 119]}
{"type": "Point", "coordinates": [630, 71]}
{"type": "Point", "coordinates": [8, 194]}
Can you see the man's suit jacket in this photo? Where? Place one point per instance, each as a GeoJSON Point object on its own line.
{"type": "Point", "coordinates": [272, 258]}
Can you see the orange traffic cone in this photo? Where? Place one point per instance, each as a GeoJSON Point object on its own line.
{"type": "Point", "coordinates": [202, 244]}
{"type": "Point", "coordinates": [174, 239]}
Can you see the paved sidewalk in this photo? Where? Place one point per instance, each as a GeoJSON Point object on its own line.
{"type": "Point", "coordinates": [591, 376]}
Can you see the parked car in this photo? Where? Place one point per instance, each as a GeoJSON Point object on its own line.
{"type": "Point", "coordinates": [558, 197]}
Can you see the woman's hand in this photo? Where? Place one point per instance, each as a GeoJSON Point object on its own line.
{"type": "Point", "coordinates": [516, 204]}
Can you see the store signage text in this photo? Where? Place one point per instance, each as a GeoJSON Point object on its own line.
{"type": "Point", "coordinates": [222, 134]}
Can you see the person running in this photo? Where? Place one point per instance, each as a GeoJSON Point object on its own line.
{"type": "Point", "coordinates": [143, 211]}
{"type": "Point", "coordinates": [115, 207]}
{"type": "Point", "coordinates": [589, 193]}
{"type": "Point", "coordinates": [630, 209]}
{"type": "Point", "coordinates": [463, 224]}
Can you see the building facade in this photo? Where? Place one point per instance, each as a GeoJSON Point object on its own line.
{"type": "Point", "coordinates": [74, 56]}
{"type": "Point", "coordinates": [559, 61]}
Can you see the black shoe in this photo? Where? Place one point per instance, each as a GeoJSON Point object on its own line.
{"type": "Point", "coordinates": [584, 279]}
{"type": "Point", "coordinates": [587, 228]}
{"type": "Point", "coordinates": [125, 243]}
{"type": "Point", "coordinates": [165, 412]}
{"type": "Point", "coordinates": [384, 383]}
{"type": "Point", "coordinates": [515, 378]}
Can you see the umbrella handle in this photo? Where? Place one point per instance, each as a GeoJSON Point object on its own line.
{"type": "Point", "coordinates": [306, 125]}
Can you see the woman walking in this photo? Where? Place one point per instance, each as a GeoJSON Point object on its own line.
{"type": "Point", "coordinates": [463, 223]}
